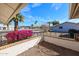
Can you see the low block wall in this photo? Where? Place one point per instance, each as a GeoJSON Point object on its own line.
{"type": "Point", "coordinates": [19, 48]}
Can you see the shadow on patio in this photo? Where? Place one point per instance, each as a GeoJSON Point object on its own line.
{"type": "Point", "coordinates": [48, 49]}
{"type": "Point", "coordinates": [61, 51]}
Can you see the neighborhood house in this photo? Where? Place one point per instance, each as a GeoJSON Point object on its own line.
{"type": "Point", "coordinates": [65, 27]}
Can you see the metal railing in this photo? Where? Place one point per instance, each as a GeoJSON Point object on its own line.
{"type": "Point", "coordinates": [58, 35]}
{"type": "Point", "coordinates": [39, 33]}
{"type": "Point", "coordinates": [76, 36]}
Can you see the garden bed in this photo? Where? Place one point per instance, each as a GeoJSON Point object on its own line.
{"type": "Point", "coordinates": [18, 35]}
{"type": "Point", "coordinates": [15, 36]}
{"type": "Point", "coordinates": [20, 46]}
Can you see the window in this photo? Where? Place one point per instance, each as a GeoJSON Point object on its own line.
{"type": "Point", "coordinates": [60, 27]}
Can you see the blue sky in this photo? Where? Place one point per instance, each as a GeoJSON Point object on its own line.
{"type": "Point", "coordinates": [44, 12]}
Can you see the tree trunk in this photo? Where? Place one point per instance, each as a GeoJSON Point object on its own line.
{"type": "Point", "coordinates": [7, 26]}
{"type": "Point", "coordinates": [49, 26]}
{"type": "Point", "coordinates": [16, 25]}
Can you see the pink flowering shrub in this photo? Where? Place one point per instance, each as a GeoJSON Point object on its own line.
{"type": "Point", "coordinates": [18, 35]}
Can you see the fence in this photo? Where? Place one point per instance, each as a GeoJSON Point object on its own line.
{"type": "Point", "coordinates": [58, 35]}
{"type": "Point", "coordinates": [76, 36]}
{"type": "Point", "coordinates": [39, 33]}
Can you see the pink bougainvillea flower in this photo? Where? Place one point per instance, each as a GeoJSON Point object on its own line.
{"type": "Point", "coordinates": [18, 35]}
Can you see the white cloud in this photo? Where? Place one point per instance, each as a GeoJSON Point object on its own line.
{"type": "Point", "coordinates": [36, 4]}
{"type": "Point", "coordinates": [34, 18]}
{"type": "Point", "coordinates": [56, 6]}
{"type": "Point", "coordinates": [30, 18]}
{"type": "Point", "coordinates": [27, 9]}
{"type": "Point", "coordinates": [53, 5]}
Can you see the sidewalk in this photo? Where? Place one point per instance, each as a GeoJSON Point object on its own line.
{"type": "Point", "coordinates": [63, 43]}
{"type": "Point", "coordinates": [53, 47]}
{"type": "Point", "coordinates": [48, 49]}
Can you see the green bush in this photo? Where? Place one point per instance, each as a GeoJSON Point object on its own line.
{"type": "Point", "coordinates": [72, 32]}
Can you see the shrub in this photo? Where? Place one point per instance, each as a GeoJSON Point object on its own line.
{"type": "Point", "coordinates": [18, 35]}
{"type": "Point", "coordinates": [72, 32]}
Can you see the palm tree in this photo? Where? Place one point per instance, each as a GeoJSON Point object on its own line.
{"type": "Point", "coordinates": [36, 22]}
{"type": "Point", "coordinates": [32, 26]}
{"type": "Point", "coordinates": [16, 19]}
{"type": "Point", "coordinates": [49, 24]}
{"type": "Point", "coordinates": [55, 22]}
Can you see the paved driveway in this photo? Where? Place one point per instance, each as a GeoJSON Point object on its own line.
{"type": "Point", "coordinates": [49, 48]}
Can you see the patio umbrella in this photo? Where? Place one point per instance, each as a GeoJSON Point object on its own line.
{"type": "Point", "coordinates": [74, 10]}
{"type": "Point", "coordinates": [9, 10]}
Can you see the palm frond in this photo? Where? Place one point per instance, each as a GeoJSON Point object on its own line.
{"type": "Point", "coordinates": [35, 22]}
{"type": "Point", "coordinates": [20, 17]}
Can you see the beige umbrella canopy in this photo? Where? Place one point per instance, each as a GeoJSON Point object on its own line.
{"type": "Point", "coordinates": [74, 10]}
{"type": "Point", "coordinates": [9, 10]}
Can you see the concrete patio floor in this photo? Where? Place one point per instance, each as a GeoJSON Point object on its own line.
{"type": "Point", "coordinates": [49, 49]}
